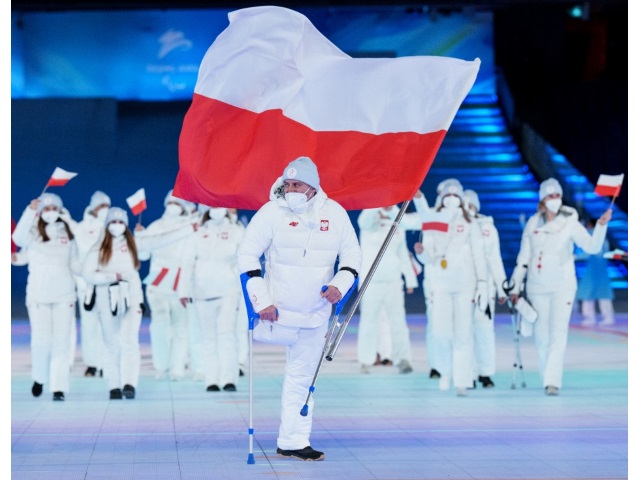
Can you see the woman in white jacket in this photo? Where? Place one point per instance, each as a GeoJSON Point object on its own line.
{"type": "Point", "coordinates": [457, 282]}
{"type": "Point", "coordinates": [51, 291]}
{"type": "Point", "coordinates": [213, 283]}
{"type": "Point", "coordinates": [302, 233]}
{"type": "Point", "coordinates": [546, 260]}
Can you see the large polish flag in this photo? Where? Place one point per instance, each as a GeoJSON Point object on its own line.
{"type": "Point", "coordinates": [609, 185]}
{"type": "Point", "coordinates": [137, 202]}
{"type": "Point", "coordinates": [60, 177]}
{"type": "Point", "coordinates": [272, 88]}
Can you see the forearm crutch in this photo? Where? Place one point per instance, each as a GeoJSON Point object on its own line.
{"type": "Point", "coordinates": [337, 310]}
{"type": "Point", "coordinates": [252, 317]}
{"type": "Point", "coordinates": [515, 325]}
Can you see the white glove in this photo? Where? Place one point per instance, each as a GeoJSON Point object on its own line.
{"type": "Point", "coordinates": [482, 296]}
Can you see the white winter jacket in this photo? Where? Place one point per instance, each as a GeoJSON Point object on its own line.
{"type": "Point", "coordinates": [496, 274]}
{"type": "Point", "coordinates": [546, 251]}
{"type": "Point", "coordinates": [396, 262]}
{"type": "Point", "coordinates": [51, 264]}
{"type": "Point", "coordinates": [301, 249]}
{"type": "Point", "coordinates": [210, 264]}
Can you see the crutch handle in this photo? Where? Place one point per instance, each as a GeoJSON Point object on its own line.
{"type": "Point", "coordinates": [340, 303]}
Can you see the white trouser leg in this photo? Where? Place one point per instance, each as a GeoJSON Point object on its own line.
{"type": "Point", "coordinates": [179, 337]}
{"type": "Point", "coordinates": [63, 316]}
{"type": "Point", "coordinates": [428, 334]}
{"type": "Point", "coordinates": [385, 346]}
{"type": "Point", "coordinates": [194, 338]}
{"type": "Point", "coordinates": [110, 328]}
{"type": "Point", "coordinates": [91, 343]}
{"type": "Point", "coordinates": [370, 307]}
{"type": "Point", "coordinates": [588, 309]}
{"type": "Point", "coordinates": [485, 341]}
{"type": "Point", "coordinates": [160, 329]}
{"type": "Point", "coordinates": [397, 318]}
{"type": "Point", "coordinates": [607, 312]}
{"type": "Point", "coordinates": [73, 342]}
{"type": "Point", "coordinates": [130, 347]}
{"type": "Point", "coordinates": [302, 361]}
{"type": "Point", "coordinates": [441, 333]}
{"type": "Point", "coordinates": [551, 331]}
{"type": "Point", "coordinates": [463, 339]}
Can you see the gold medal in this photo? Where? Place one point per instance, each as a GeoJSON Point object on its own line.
{"type": "Point", "coordinates": [443, 263]}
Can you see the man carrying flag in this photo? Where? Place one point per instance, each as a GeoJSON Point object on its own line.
{"type": "Point", "coordinates": [302, 233]}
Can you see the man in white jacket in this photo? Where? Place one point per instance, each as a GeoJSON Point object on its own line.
{"type": "Point", "coordinates": [301, 233]}
{"type": "Point", "coordinates": [385, 292]}
{"type": "Point", "coordinates": [546, 260]}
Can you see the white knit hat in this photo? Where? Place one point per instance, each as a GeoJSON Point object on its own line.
{"type": "Point", "coordinates": [445, 182]}
{"type": "Point", "coordinates": [472, 198]}
{"type": "Point", "coordinates": [303, 169]}
{"type": "Point", "coordinates": [549, 187]}
{"type": "Point", "coordinates": [117, 213]}
{"type": "Point", "coordinates": [99, 198]}
{"type": "Point", "coordinates": [49, 199]}
{"type": "Point", "coordinates": [188, 207]}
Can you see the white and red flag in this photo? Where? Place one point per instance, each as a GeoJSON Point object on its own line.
{"type": "Point", "coordinates": [60, 177]}
{"type": "Point", "coordinates": [272, 88]}
{"type": "Point", "coordinates": [436, 221]}
{"type": "Point", "coordinates": [137, 202]}
{"type": "Point", "coordinates": [609, 185]}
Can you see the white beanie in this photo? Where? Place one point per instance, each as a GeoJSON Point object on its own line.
{"type": "Point", "coordinates": [472, 198]}
{"type": "Point", "coordinates": [549, 187]}
{"type": "Point", "coordinates": [303, 169]}
{"type": "Point", "coordinates": [49, 199]}
{"type": "Point", "coordinates": [99, 198]}
{"type": "Point", "coordinates": [117, 213]}
{"type": "Point", "coordinates": [188, 207]}
{"type": "Point", "coordinates": [445, 182]}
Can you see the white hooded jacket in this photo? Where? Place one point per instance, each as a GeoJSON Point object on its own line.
{"type": "Point", "coordinates": [300, 250]}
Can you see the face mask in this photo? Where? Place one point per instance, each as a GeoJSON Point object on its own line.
{"type": "Point", "coordinates": [451, 201]}
{"type": "Point", "coordinates": [553, 204]}
{"type": "Point", "coordinates": [50, 216]}
{"type": "Point", "coordinates": [295, 199]}
{"type": "Point", "coordinates": [102, 214]}
{"type": "Point", "coordinates": [217, 214]}
{"type": "Point", "coordinates": [233, 217]}
{"type": "Point", "coordinates": [173, 210]}
{"type": "Point", "coordinates": [116, 229]}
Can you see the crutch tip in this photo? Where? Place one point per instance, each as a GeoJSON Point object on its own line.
{"type": "Point", "coordinates": [304, 410]}
{"type": "Point", "coordinates": [251, 460]}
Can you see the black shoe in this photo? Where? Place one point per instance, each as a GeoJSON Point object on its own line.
{"type": "Point", "coordinates": [486, 382]}
{"type": "Point", "coordinates": [307, 453]}
{"type": "Point", "coordinates": [129, 392]}
{"type": "Point", "coordinates": [58, 397]}
{"type": "Point", "coordinates": [115, 394]}
{"type": "Point", "coordinates": [213, 388]}
{"type": "Point", "coordinates": [36, 389]}
{"type": "Point", "coordinates": [378, 360]}
{"type": "Point", "coordinates": [90, 372]}
{"type": "Point", "coordinates": [100, 373]}
{"type": "Point", "coordinates": [241, 373]}
{"type": "Point", "coordinates": [386, 362]}
{"type": "Point", "coordinates": [434, 373]}
{"type": "Point", "coordinates": [229, 387]}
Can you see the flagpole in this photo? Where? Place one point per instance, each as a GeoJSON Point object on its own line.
{"type": "Point", "coordinates": [332, 351]}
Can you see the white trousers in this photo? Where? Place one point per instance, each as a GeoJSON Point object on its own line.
{"type": "Point", "coordinates": [51, 325]}
{"type": "Point", "coordinates": [218, 320]}
{"type": "Point", "coordinates": [484, 336]}
{"type": "Point", "coordinates": [168, 332]}
{"type": "Point", "coordinates": [194, 340]}
{"type": "Point", "coordinates": [606, 310]}
{"type": "Point", "coordinates": [301, 362]}
{"type": "Point", "coordinates": [450, 315]}
{"type": "Point", "coordinates": [388, 298]}
{"type": "Point", "coordinates": [91, 343]}
{"type": "Point", "coordinates": [121, 336]}
{"type": "Point", "coordinates": [551, 331]}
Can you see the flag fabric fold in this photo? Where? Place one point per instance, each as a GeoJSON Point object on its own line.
{"type": "Point", "coordinates": [137, 202]}
{"type": "Point", "coordinates": [60, 177]}
{"type": "Point", "coordinates": [609, 185]}
{"type": "Point", "coordinates": [272, 88]}
{"type": "Point", "coordinates": [436, 221]}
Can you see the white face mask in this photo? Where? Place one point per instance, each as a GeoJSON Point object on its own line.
{"type": "Point", "coordinates": [451, 201]}
{"type": "Point", "coordinates": [50, 216]}
{"type": "Point", "coordinates": [116, 229]}
{"type": "Point", "coordinates": [102, 214]}
{"type": "Point", "coordinates": [233, 217]}
{"type": "Point", "coordinates": [553, 204]}
{"type": "Point", "coordinates": [296, 199]}
{"type": "Point", "coordinates": [173, 210]}
{"type": "Point", "coordinates": [217, 214]}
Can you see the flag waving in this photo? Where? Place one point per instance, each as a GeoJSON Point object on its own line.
{"type": "Point", "coordinates": [609, 185]}
{"type": "Point", "coordinates": [272, 88]}
{"type": "Point", "coordinates": [137, 202]}
{"type": "Point", "coordinates": [59, 178]}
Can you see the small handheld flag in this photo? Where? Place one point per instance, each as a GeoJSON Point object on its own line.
{"type": "Point", "coordinates": [609, 185]}
{"type": "Point", "coordinates": [59, 178]}
{"type": "Point", "coordinates": [436, 221]}
{"type": "Point", "coordinates": [137, 202]}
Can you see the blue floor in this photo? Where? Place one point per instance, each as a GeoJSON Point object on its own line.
{"type": "Point", "coordinates": [378, 426]}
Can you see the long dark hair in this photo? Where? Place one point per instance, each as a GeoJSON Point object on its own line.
{"type": "Point", "coordinates": [106, 248]}
{"type": "Point", "coordinates": [42, 229]}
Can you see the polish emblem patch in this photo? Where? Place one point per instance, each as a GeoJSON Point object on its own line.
{"type": "Point", "coordinates": [324, 225]}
